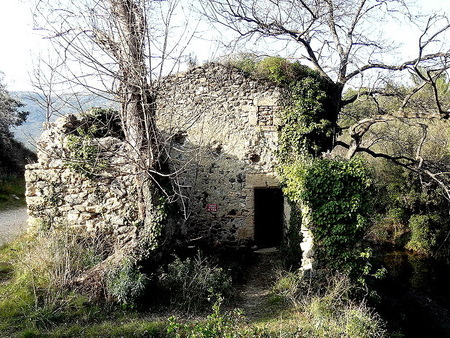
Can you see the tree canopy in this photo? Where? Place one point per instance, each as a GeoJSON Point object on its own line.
{"type": "Point", "coordinates": [10, 115]}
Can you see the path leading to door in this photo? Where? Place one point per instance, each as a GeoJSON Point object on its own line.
{"type": "Point", "coordinates": [12, 223]}
{"type": "Point", "coordinates": [255, 293]}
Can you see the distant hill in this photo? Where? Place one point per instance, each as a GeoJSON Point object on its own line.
{"type": "Point", "coordinates": [29, 132]}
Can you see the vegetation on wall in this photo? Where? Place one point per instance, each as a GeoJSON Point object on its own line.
{"type": "Point", "coordinates": [337, 192]}
{"type": "Point", "coordinates": [84, 153]}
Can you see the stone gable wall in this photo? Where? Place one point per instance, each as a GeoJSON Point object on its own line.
{"type": "Point", "coordinates": [220, 129]}
{"type": "Point", "coordinates": [228, 123]}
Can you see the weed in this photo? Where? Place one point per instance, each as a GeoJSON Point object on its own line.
{"type": "Point", "coordinates": [228, 325]}
{"type": "Point", "coordinates": [126, 283]}
{"type": "Point", "coordinates": [191, 282]}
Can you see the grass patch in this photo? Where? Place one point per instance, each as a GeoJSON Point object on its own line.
{"type": "Point", "coordinates": [12, 192]}
{"type": "Point", "coordinates": [37, 299]}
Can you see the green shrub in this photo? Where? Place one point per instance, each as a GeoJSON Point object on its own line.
{"type": "Point", "coordinates": [391, 227]}
{"type": "Point", "coordinates": [423, 238]}
{"type": "Point", "coordinates": [191, 282]}
{"type": "Point", "coordinates": [84, 154]}
{"type": "Point", "coordinates": [246, 62]}
{"type": "Point", "coordinates": [125, 282]}
{"type": "Point", "coordinates": [287, 286]}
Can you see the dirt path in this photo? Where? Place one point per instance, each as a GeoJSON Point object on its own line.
{"type": "Point", "coordinates": [12, 223]}
{"type": "Point", "coordinates": [254, 294]}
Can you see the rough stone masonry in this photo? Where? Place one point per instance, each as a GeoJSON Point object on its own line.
{"type": "Point", "coordinates": [220, 127]}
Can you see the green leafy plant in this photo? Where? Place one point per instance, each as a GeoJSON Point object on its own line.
{"type": "Point", "coordinates": [84, 153]}
{"type": "Point", "coordinates": [337, 193]}
{"type": "Point", "coordinates": [125, 282]}
{"type": "Point", "coordinates": [227, 325]}
{"type": "Point", "coordinates": [192, 281]}
{"type": "Point", "coordinates": [290, 251]}
{"type": "Point", "coordinates": [422, 236]}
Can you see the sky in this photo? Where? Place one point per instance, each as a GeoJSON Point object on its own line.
{"type": "Point", "coordinates": [20, 45]}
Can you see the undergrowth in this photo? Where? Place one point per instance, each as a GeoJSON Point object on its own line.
{"type": "Point", "coordinates": [38, 298]}
{"type": "Point", "coordinates": [12, 192]}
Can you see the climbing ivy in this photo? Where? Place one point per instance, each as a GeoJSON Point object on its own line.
{"type": "Point", "coordinates": [336, 191]}
{"type": "Point", "coordinates": [305, 127]}
{"type": "Point", "coordinates": [83, 156]}
{"type": "Point", "coordinates": [338, 195]}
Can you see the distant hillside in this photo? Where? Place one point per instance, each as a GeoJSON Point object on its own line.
{"type": "Point", "coordinates": [30, 131]}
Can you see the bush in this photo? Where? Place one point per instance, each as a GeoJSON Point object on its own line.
{"type": "Point", "coordinates": [287, 286]}
{"type": "Point", "coordinates": [192, 282]}
{"type": "Point", "coordinates": [125, 283]}
{"type": "Point", "coordinates": [423, 238]}
{"type": "Point", "coordinates": [329, 305]}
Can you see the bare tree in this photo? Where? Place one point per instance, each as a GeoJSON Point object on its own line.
{"type": "Point", "coordinates": [121, 49]}
{"type": "Point", "coordinates": [346, 43]}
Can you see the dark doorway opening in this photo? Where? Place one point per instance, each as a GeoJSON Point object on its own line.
{"type": "Point", "coordinates": [268, 217]}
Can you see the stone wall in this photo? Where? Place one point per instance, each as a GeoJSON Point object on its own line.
{"type": "Point", "coordinates": [220, 129]}
{"type": "Point", "coordinates": [59, 192]}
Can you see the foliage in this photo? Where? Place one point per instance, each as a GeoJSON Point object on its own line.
{"type": "Point", "coordinates": [125, 283]}
{"type": "Point", "coordinates": [304, 126]}
{"type": "Point", "coordinates": [10, 115]}
{"type": "Point", "coordinates": [410, 214]}
{"type": "Point", "coordinates": [12, 192]}
{"type": "Point", "coordinates": [329, 306]}
{"type": "Point", "coordinates": [423, 238]}
{"type": "Point", "coordinates": [337, 193]}
{"type": "Point", "coordinates": [192, 282]}
{"type": "Point", "coordinates": [287, 286]}
{"type": "Point", "coordinates": [227, 325]}
{"type": "Point", "coordinates": [13, 155]}
{"type": "Point", "coordinates": [84, 153]}
{"type": "Point", "coordinates": [290, 251]}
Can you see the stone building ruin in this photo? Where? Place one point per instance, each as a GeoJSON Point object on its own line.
{"type": "Point", "coordinates": [221, 129]}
